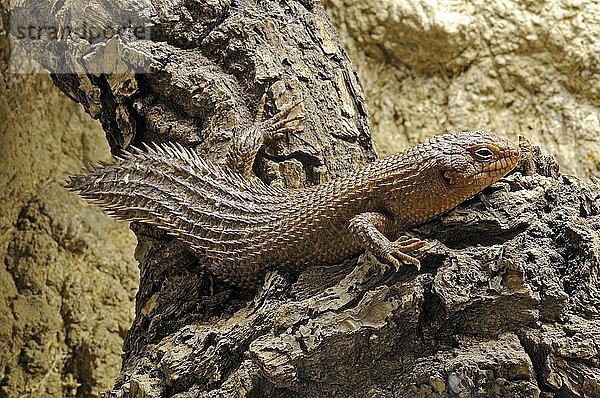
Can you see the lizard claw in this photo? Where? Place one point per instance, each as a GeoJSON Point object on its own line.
{"type": "Point", "coordinates": [396, 250]}
{"type": "Point", "coordinates": [366, 227]}
{"type": "Point", "coordinates": [281, 123]}
{"type": "Point", "coordinates": [260, 110]}
{"type": "Point", "coordinates": [388, 261]}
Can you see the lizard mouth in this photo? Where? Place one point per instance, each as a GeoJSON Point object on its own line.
{"type": "Point", "coordinates": [501, 168]}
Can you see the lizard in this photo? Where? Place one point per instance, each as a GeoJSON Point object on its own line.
{"type": "Point", "coordinates": [244, 227]}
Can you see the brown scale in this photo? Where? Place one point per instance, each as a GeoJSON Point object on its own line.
{"type": "Point", "coordinates": [245, 227]}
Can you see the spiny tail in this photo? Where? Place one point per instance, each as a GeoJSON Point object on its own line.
{"type": "Point", "coordinates": [170, 186]}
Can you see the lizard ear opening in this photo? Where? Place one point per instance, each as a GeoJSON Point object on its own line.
{"type": "Point", "coordinates": [446, 177]}
{"type": "Point", "coordinates": [449, 176]}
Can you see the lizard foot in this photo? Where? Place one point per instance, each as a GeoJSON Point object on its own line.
{"type": "Point", "coordinates": [279, 124]}
{"type": "Point", "coordinates": [395, 251]}
{"type": "Point", "coordinates": [247, 142]}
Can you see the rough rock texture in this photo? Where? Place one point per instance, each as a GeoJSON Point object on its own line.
{"type": "Point", "coordinates": [514, 67]}
{"type": "Point", "coordinates": [67, 274]}
{"type": "Point", "coordinates": [514, 316]}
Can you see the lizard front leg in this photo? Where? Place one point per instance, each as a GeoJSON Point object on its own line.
{"type": "Point", "coordinates": [247, 142]}
{"type": "Point", "coordinates": [367, 229]}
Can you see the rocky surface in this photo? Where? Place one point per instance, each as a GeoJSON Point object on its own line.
{"type": "Point", "coordinates": [507, 301]}
{"type": "Point", "coordinates": [67, 274]}
{"type": "Point", "coordinates": [514, 67]}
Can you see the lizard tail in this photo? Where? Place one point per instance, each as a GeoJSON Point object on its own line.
{"type": "Point", "coordinates": [171, 187]}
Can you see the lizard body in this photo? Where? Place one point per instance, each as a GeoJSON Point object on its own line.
{"type": "Point", "coordinates": [245, 227]}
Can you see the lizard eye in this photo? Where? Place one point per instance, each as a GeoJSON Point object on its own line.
{"type": "Point", "coordinates": [484, 154]}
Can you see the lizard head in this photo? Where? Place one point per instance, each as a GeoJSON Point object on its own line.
{"type": "Point", "coordinates": [448, 169]}
{"type": "Point", "coordinates": [470, 161]}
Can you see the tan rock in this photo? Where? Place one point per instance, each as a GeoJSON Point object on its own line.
{"type": "Point", "coordinates": [512, 67]}
{"type": "Point", "coordinates": [68, 277]}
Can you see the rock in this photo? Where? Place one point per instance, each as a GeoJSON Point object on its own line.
{"type": "Point", "coordinates": [512, 67]}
